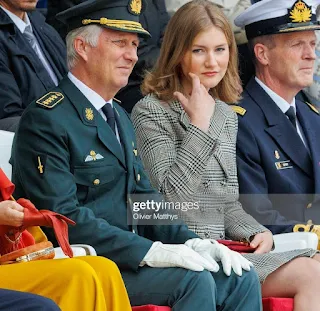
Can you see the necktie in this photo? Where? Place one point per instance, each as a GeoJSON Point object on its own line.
{"type": "Point", "coordinates": [292, 116]}
{"type": "Point", "coordinates": [109, 113]}
{"type": "Point", "coordinates": [28, 34]}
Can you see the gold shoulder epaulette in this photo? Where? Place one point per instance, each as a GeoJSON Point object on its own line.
{"type": "Point", "coordinates": [50, 100]}
{"type": "Point", "coordinates": [313, 108]}
{"type": "Point", "coordinates": [239, 110]}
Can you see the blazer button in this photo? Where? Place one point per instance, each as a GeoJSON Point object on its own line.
{"type": "Point", "coordinates": [309, 205]}
{"type": "Point", "coordinates": [221, 235]}
{"type": "Point", "coordinates": [96, 182]}
{"type": "Point", "coordinates": [207, 235]}
{"type": "Point", "coordinates": [138, 177]}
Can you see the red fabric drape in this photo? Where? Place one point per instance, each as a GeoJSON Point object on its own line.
{"type": "Point", "coordinates": [12, 238]}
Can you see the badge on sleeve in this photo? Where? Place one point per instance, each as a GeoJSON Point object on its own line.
{"type": "Point", "coordinates": [41, 163]}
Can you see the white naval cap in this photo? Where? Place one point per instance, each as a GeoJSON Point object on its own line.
{"type": "Point", "coordinates": [267, 17]}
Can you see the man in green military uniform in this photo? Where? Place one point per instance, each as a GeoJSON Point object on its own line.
{"type": "Point", "coordinates": [75, 153]}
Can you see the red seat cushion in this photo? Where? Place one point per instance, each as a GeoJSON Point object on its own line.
{"type": "Point", "coordinates": [151, 308]}
{"type": "Point", "coordinates": [277, 304]}
{"type": "Point", "coordinates": [269, 304]}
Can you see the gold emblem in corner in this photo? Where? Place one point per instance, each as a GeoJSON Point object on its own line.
{"type": "Point", "coordinates": [135, 7]}
{"type": "Point", "coordinates": [89, 114]}
{"type": "Point", "coordinates": [300, 12]}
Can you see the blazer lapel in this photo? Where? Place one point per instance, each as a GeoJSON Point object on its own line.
{"type": "Point", "coordinates": [310, 128]}
{"type": "Point", "coordinates": [91, 117]}
{"type": "Point", "coordinates": [217, 126]}
{"type": "Point", "coordinates": [279, 128]}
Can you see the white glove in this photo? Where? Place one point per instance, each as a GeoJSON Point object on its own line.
{"type": "Point", "coordinates": [176, 255]}
{"type": "Point", "coordinates": [213, 252]}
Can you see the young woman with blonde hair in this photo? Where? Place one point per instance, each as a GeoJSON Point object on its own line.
{"type": "Point", "coordinates": [187, 139]}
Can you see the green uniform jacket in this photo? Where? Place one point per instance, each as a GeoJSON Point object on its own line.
{"type": "Point", "coordinates": [66, 159]}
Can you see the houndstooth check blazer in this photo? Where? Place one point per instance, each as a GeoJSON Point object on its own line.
{"type": "Point", "coordinates": [189, 165]}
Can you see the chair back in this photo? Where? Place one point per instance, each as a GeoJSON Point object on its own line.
{"type": "Point", "coordinates": [6, 139]}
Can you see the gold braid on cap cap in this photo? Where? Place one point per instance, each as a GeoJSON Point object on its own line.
{"type": "Point", "coordinates": [122, 24]}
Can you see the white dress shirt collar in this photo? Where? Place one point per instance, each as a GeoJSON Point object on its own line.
{"type": "Point", "coordinates": [281, 103]}
{"type": "Point", "coordinates": [21, 24]}
{"type": "Point", "coordinates": [94, 98]}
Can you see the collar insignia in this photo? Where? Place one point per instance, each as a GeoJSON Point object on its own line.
{"type": "Point", "coordinates": [135, 7]}
{"type": "Point", "coordinates": [276, 154]}
{"type": "Point", "coordinates": [300, 12]}
{"type": "Point", "coordinates": [89, 114]}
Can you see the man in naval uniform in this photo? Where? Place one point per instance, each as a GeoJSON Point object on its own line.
{"type": "Point", "coordinates": [278, 151]}
{"type": "Point", "coordinates": [75, 153]}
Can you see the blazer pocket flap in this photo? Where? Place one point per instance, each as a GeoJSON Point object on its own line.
{"type": "Point", "coordinates": [93, 176]}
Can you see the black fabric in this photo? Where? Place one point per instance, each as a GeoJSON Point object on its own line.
{"type": "Point", "coordinates": [290, 113]}
{"type": "Point", "coordinates": [9, 124]}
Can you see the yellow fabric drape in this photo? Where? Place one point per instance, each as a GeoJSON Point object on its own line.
{"type": "Point", "coordinates": [38, 234]}
{"type": "Point", "coordinates": [90, 283]}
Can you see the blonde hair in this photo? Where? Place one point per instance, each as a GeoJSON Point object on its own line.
{"type": "Point", "coordinates": [191, 19]}
{"type": "Point", "coordinates": [89, 33]}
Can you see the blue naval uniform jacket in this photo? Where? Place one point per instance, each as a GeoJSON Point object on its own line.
{"type": "Point", "coordinates": [67, 159]}
{"type": "Point", "coordinates": [279, 179]}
